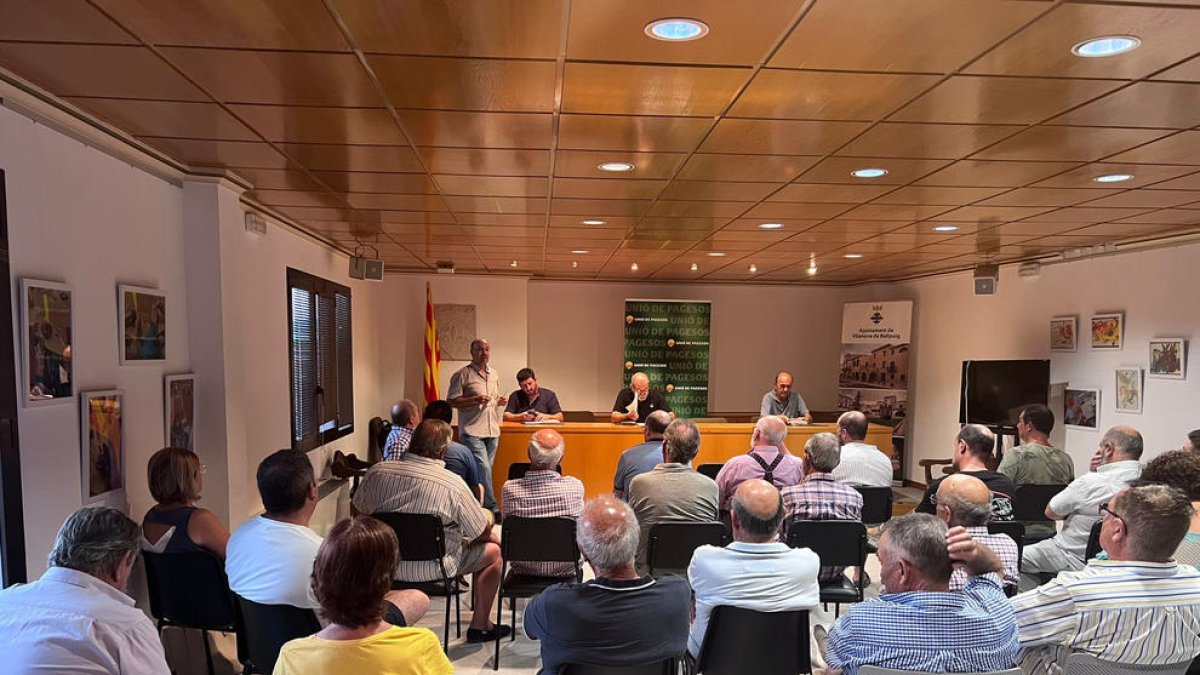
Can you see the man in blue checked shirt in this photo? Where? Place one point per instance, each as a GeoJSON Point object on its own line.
{"type": "Point", "coordinates": [918, 624]}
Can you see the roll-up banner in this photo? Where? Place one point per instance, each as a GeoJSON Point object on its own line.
{"type": "Point", "coordinates": [669, 341]}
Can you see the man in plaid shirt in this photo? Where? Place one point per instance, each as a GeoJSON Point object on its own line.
{"type": "Point", "coordinates": [543, 493]}
{"type": "Point", "coordinates": [966, 501]}
{"type": "Point", "coordinates": [405, 418]}
{"type": "Point", "coordinates": [819, 496]}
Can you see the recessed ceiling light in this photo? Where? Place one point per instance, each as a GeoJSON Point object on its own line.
{"type": "Point", "coordinates": [695, 267]}
{"type": "Point", "coordinates": [716, 254]}
{"type": "Point", "coordinates": [1113, 178]}
{"type": "Point", "coordinates": [512, 264]}
{"type": "Point", "coordinates": [812, 270]}
{"type": "Point", "coordinates": [633, 267]}
{"type": "Point", "coordinates": [616, 167]}
{"type": "Point", "coordinates": [753, 268]}
{"type": "Point", "coordinates": [945, 228]}
{"type": "Point", "coordinates": [771, 226]}
{"type": "Point", "coordinates": [581, 251]}
{"type": "Point", "coordinates": [574, 264]}
{"type": "Point", "coordinates": [853, 256]}
{"type": "Point", "coordinates": [869, 173]}
{"type": "Point", "coordinates": [1109, 45]}
{"type": "Point", "coordinates": [593, 221]}
{"type": "Point", "coordinates": [676, 29]}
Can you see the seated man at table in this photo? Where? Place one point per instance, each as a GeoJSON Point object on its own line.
{"type": "Point", "coordinates": [819, 496]}
{"type": "Point", "coordinates": [543, 493]}
{"type": "Point", "coordinates": [531, 403]}
{"type": "Point", "coordinates": [768, 459]}
{"type": "Point", "coordinates": [784, 403]}
{"type": "Point", "coordinates": [642, 457]}
{"type": "Point", "coordinates": [860, 464]}
{"type": "Point", "coordinates": [619, 618]}
{"type": "Point", "coordinates": [647, 401]}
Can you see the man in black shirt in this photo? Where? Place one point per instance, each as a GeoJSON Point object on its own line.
{"type": "Point", "coordinates": [648, 400]}
{"type": "Point", "coordinates": [972, 447]}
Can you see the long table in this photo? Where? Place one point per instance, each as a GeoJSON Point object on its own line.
{"type": "Point", "coordinates": [593, 448]}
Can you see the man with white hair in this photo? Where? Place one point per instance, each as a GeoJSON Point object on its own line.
{"type": "Point", "coordinates": [77, 618]}
{"type": "Point", "coordinates": [635, 402]}
{"type": "Point", "coordinates": [619, 618]}
{"type": "Point", "coordinates": [768, 459]}
{"type": "Point", "coordinates": [819, 496]}
{"type": "Point", "coordinates": [543, 493]}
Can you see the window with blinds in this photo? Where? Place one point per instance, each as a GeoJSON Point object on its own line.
{"type": "Point", "coordinates": [321, 360]}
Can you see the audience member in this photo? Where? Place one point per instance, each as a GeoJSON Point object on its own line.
{"type": "Point", "coordinates": [419, 483]}
{"type": "Point", "coordinates": [532, 403]}
{"type": "Point", "coordinates": [619, 618]}
{"type": "Point", "coordinates": [175, 524]}
{"type": "Point", "coordinates": [1193, 441]}
{"type": "Point", "coordinates": [756, 571]}
{"type": "Point", "coordinates": [673, 491]}
{"type": "Point", "coordinates": [459, 459]}
{"type": "Point", "coordinates": [271, 556]}
{"type": "Point", "coordinates": [1181, 470]}
{"type": "Point", "coordinates": [642, 457]}
{"type": "Point", "coordinates": [351, 575]}
{"type": "Point", "coordinates": [1035, 461]}
{"type": "Point", "coordinates": [972, 447]}
{"type": "Point", "coordinates": [917, 624]}
{"type": "Point", "coordinates": [76, 618]}
{"type": "Point", "coordinates": [543, 493]}
{"type": "Point", "coordinates": [784, 403]}
{"type": "Point", "coordinates": [768, 459]}
{"type": "Point", "coordinates": [405, 418]}
{"type": "Point", "coordinates": [1116, 465]}
{"type": "Point", "coordinates": [861, 464]}
{"type": "Point", "coordinates": [1138, 608]}
{"type": "Point", "coordinates": [819, 496]}
{"type": "Point", "coordinates": [475, 393]}
{"type": "Point", "coordinates": [964, 501]}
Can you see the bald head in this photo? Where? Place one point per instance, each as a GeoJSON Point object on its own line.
{"type": "Point", "coordinates": [1123, 442]}
{"type": "Point", "coordinates": [656, 424]}
{"type": "Point", "coordinates": [404, 414]}
{"type": "Point", "coordinates": [783, 385]}
{"type": "Point", "coordinates": [852, 426]}
{"type": "Point", "coordinates": [964, 500]}
{"type": "Point", "coordinates": [757, 510]}
{"type": "Point", "coordinates": [608, 534]}
{"type": "Point", "coordinates": [770, 430]}
{"type": "Point", "coordinates": [545, 450]}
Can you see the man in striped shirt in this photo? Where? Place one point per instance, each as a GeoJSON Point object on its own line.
{"type": "Point", "coordinates": [1136, 608]}
{"type": "Point", "coordinates": [543, 493]}
{"type": "Point", "coordinates": [819, 496]}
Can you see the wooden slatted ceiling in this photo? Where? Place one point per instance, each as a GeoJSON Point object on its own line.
{"type": "Point", "coordinates": [470, 131]}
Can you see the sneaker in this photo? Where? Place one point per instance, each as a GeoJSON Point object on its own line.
{"type": "Point", "coordinates": [500, 630]}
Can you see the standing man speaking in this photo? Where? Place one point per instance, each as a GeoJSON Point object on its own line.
{"type": "Point", "coordinates": [475, 392]}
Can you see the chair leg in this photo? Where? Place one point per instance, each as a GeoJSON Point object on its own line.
{"type": "Point", "coordinates": [499, 615]}
{"type": "Point", "coordinates": [208, 661]}
{"type": "Point", "coordinates": [446, 629]}
{"type": "Point", "coordinates": [458, 610]}
{"type": "Point", "coordinates": [837, 610]}
{"type": "Point", "coordinates": [513, 605]}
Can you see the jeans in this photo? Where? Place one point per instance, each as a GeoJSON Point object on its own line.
{"type": "Point", "coordinates": [485, 450]}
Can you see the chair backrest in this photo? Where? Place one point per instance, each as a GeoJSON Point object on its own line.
{"type": "Point", "coordinates": [671, 545]}
{"type": "Point", "coordinates": [877, 504]}
{"type": "Point", "coordinates": [1093, 542]}
{"type": "Point", "coordinates": [876, 670]}
{"type": "Point", "coordinates": [189, 590]}
{"type": "Point", "coordinates": [1029, 501]}
{"type": "Point", "coordinates": [667, 667]}
{"type": "Point", "coordinates": [269, 627]}
{"type": "Point", "coordinates": [1015, 531]}
{"type": "Point", "coordinates": [741, 641]}
{"type": "Point", "coordinates": [517, 470]}
{"type": "Point", "coordinates": [838, 543]}
{"type": "Point", "coordinates": [579, 416]}
{"type": "Point", "coordinates": [539, 539]}
{"type": "Point", "coordinates": [710, 469]}
{"type": "Point", "coordinates": [421, 535]}
{"type": "Point", "coordinates": [1080, 663]}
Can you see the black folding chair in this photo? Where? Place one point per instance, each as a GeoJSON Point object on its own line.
{"type": "Point", "coordinates": [1015, 530]}
{"type": "Point", "coordinates": [741, 641]}
{"type": "Point", "coordinates": [1093, 542]}
{"type": "Point", "coordinates": [517, 470]}
{"type": "Point", "coordinates": [877, 504]}
{"type": "Point", "coordinates": [665, 667]}
{"type": "Point", "coordinates": [190, 590]}
{"type": "Point", "coordinates": [671, 544]}
{"type": "Point", "coordinates": [710, 469]}
{"type": "Point", "coordinates": [532, 540]}
{"type": "Point", "coordinates": [423, 537]}
{"type": "Point", "coordinates": [838, 543]}
{"type": "Point", "coordinates": [269, 627]}
{"type": "Point", "coordinates": [1029, 507]}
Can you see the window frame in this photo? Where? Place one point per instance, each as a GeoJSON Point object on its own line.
{"type": "Point", "coordinates": [340, 373]}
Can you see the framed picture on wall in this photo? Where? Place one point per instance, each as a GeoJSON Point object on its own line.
{"type": "Point", "coordinates": [103, 443]}
{"type": "Point", "coordinates": [1063, 333]}
{"type": "Point", "coordinates": [1081, 408]}
{"type": "Point", "coordinates": [47, 314]}
{"type": "Point", "coordinates": [1168, 358]}
{"type": "Point", "coordinates": [1108, 331]}
{"type": "Point", "coordinates": [143, 316]}
{"type": "Point", "coordinates": [1129, 390]}
{"type": "Point", "coordinates": [179, 402]}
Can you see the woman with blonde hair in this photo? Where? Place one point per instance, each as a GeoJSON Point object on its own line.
{"type": "Point", "coordinates": [175, 524]}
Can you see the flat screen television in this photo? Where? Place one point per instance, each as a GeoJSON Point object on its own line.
{"type": "Point", "coordinates": [993, 392]}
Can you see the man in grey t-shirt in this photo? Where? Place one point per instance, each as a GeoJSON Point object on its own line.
{"type": "Point", "coordinates": [783, 402]}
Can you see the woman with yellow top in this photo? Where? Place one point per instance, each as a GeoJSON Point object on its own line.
{"type": "Point", "coordinates": [351, 575]}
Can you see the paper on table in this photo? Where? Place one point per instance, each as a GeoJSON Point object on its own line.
{"type": "Point", "coordinates": [548, 420]}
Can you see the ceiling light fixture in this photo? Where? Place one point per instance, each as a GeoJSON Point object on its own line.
{"type": "Point", "coordinates": [853, 256]}
{"type": "Point", "coordinates": [593, 221]}
{"type": "Point", "coordinates": [812, 270]}
{"type": "Point", "coordinates": [676, 29]}
{"type": "Point", "coordinates": [753, 268]}
{"type": "Point", "coordinates": [1108, 45]}
{"type": "Point", "coordinates": [945, 228]}
{"type": "Point", "coordinates": [1113, 178]}
{"type": "Point", "coordinates": [869, 173]}
{"type": "Point", "coordinates": [581, 251]}
{"type": "Point", "coordinates": [771, 226]}
{"type": "Point", "coordinates": [513, 264]}
{"type": "Point", "coordinates": [633, 267]}
{"type": "Point", "coordinates": [716, 254]}
{"type": "Point", "coordinates": [574, 264]}
{"type": "Point", "coordinates": [695, 267]}
{"type": "Point", "coordinates": [616, 167]}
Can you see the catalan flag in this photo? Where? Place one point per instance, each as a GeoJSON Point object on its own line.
{"type": "Point", "coordinates": [433, 350]}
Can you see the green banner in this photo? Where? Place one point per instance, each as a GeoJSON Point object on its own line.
{"type": "Point", "coordinates": [669, 341]}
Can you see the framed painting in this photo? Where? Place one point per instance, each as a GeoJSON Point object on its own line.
{"type": "Point", "coordinates": [1063, 333]}
{"type": "Point", "coordinates": [103, 443]}
{"type": "Point", "coordinates": [179, 400]}
{"type": "Point", "coordinates": [143, 316]}
{"type": "Point", "coordinates": [1129, 390]}
{"type": "Point", "coordinates": [47, 315]}
{"type": "Point", "coordinates": [1168, 358]}
{"type": "Point", "coordinates": [1081, 409]}
{"type": "Point", "coordinates": [1108, 331]}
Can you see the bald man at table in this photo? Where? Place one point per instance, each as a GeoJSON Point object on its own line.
{"type": "Point", "coordinates": [784, 403]}
{"type": "Point", "coordinates": [648, 400]}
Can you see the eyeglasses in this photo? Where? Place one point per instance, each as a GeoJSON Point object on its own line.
{"type": "Point", "coordinates": [1104, 509]}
